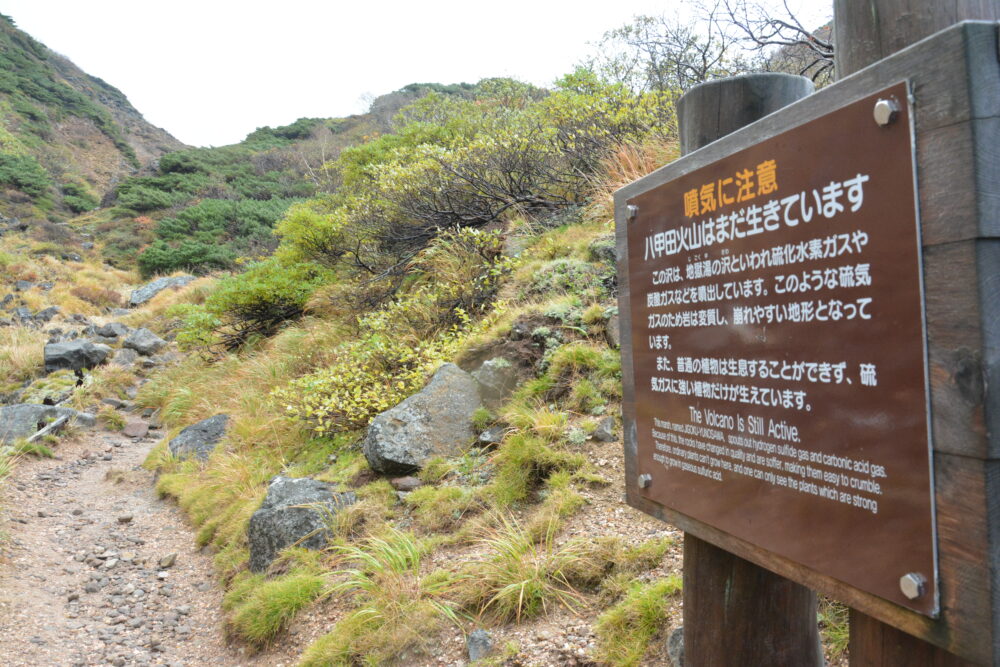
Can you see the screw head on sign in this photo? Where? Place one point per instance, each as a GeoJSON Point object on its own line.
{"type": "Point", "coordinates": [645, 480]}
{"type": "Point", "coordinates": [885, 111]}
{"type": "Point", "coordinates": [631, 211]}
{"type": "Point", "coordinates": [912, 584]}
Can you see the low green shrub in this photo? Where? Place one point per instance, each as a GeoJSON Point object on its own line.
{"type": "Point", "coordinates": [24, 173]}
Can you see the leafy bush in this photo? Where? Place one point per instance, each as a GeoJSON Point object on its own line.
{"type": "Point", "coordinates": [254, 303]}
{"type": "Point", "coordinates": [369, 376]}
{"type": "Point", "coordinates": [469, 162]}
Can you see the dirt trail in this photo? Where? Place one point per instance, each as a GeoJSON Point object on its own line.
{"type": "Point", "coordinates": [81, 576]}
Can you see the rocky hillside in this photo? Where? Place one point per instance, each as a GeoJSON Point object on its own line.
{"type": "Point", "coordinates": [65, 137]}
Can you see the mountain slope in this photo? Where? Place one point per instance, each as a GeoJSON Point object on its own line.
{"type": "Point", "coordinates": [65, 137]}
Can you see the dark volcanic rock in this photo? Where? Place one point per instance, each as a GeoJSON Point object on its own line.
{"type": "Point", "coordinates": [112, 330]}
{"type": "Point", "coordinates": [25, 419]}
{"type": "Point", "coordinates": [144, 341]}
{"type": "Point", "coordinates": [295, 511]}
{"type": "Point", "coordinates": [199, 440]}
{"type": "Point", "coordinates": [436, 421]}
{"type": "Point", "coordinates": [46, 314]}
{"type": "Point", "coordinates": [74, 355]}
{"type": "Point", "coordinates": [151, 289]}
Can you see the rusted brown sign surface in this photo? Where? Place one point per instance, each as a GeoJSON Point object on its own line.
{"type": "Point", "coordinates": [779, 354]}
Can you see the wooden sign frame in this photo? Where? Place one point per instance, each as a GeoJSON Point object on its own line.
{"type": "Point", "coordinates": [955, 77]}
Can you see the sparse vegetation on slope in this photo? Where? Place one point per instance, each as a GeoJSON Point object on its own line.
{"type": "Point", "coordinates": [64, 135]}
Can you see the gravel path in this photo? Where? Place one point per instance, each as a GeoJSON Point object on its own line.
{"type": "Point", "coordinates": [96, 570]}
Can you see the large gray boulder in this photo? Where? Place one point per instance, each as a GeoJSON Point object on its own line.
{"type": "Point", "coordinates": [74, 355]}
{"type": "Point", "coordinates": [26, 419]}
{"type": "Point", "coordinates": [497, 378]}
{"type": "Point", "coordinates": [151, 289]}
{"type": "Point", "coordinates": [199, 440]}
{"type": "Point", "coordinates": [295, 511]}
{"type": "Point", "coordinates": [144, 341]}
{"type": "Point", "coordinates": [436, 421]}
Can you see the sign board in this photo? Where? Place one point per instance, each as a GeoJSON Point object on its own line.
{"type": "Point", "coordinates": [779, 352]}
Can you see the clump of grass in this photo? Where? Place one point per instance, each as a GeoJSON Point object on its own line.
{"type": "Point", "coordinates": [435, 470]}
{"type": "Point", "coordinates": [374, 507]}
{"type": "Point", "coordinates": [559, 500]}
{"type": "Point", "coordinates": [262, 610]}
{"type": "Point", "coordinates": [7, 462]}
{"type": "Point", "coordinates": [111, 418]}
{"type": "Point", "coordinates": [33, 449]}
{"type": "Point", "coordinates": [158, 457]}
{"type": "Point", "coordinates": [624, 631]}
{"type": "Point", "coordinates": [108, 381]}
{"type": "Point", "coordinates": [482, 418]}
{"type": "Point", "coordinates": [436, 508]}
{"type": "Point", "coordinates": [523, 462]}
{"type": "Point", "coordinates": [521, 577]}
{"type": "Point", "coordinates": [833, 627]}
{"type": "Point", "coordinates": [397, 612]}
{"type": "Point", "coordinates": [615, 565]}
{"type": "Point", "coordinates": [21, 353]}
{"type": "Point", "coordinates": [625, 164]}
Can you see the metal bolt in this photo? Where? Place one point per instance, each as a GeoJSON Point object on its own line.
{"type": "Point", "coordinates": [645, 480]}
{"type": "Point", "coordinates": [912, 584]}
{"type": "Point", "coordinates": [631, 211]}
{"type": "Point", "coordinates": [885, 112]}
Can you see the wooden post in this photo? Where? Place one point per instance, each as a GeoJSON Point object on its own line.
{"type": "Point", "coordinates": [735, 612]}
{"type": "Point", "coordinates": [866, 33]}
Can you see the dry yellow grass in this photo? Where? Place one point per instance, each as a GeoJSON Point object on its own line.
{"type": "Point", "coordinates": [21, 353]}
{"type": "Point", "coordinates": [625, 165]}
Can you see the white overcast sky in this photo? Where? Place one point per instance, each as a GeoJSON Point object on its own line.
{"type": "Point", "coordinates": [212, 71]}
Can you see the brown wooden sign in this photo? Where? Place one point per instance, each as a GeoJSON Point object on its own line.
{"type": "Point", "coordinates": [778, 350]}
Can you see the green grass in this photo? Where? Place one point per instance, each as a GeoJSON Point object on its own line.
{"type": "Point", "coordinates": [521, 577]}
{"type": "Point", "coordinates": [833, 627]}
{"type": "Point", "coordinates": [32, 449]}
{"type": "Point", "coordinates": [437, 508]}
{"type": "Point", "coordinates": [625, 631]}
{"type": "Point", "coordinates": [263, 609]}
{"type": "Point", "coordinates": [524, 462]}
{"type": "Point", "coordinates": [396, 610]}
